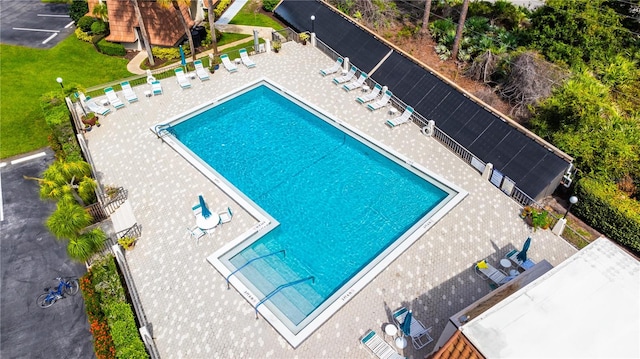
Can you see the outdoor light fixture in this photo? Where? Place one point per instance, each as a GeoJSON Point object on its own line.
{"type": "Point", "coordinates": [313, 18]}
{"type": "Point", "coordinates": [59, 80]}
{"type": "Point", "coordinates": [572, 200]}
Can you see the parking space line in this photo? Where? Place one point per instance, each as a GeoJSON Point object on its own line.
{"type": "Point", "coordinates": [69, 25]}
{"type": "Point", "coordinates": [41, 30]}
{"type": "Point", "coordinates": [53, 15]}
{"type": "Point", "coordinates": [28, 158]}
{"type": "Point", "coordinates": [49, 38]}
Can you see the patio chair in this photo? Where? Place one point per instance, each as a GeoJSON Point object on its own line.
{"type": "Point", "coordinates": [226, 216]}
{"type": "Point", "coordinates": [244, 56]}
{"type": "Point", "coordinates": [342, 79]}
{"type": "Point", "coordinates": [486, 271]}
{"type": "Point", "coordinates": [156, 88]}
{"type": "Point", "coordinates": [333, 69]}
{"type": "Point", "coordinates": [404, 118]}
{"type": "Point", "coordinates": [113, 98]}
{"type": "Point", "coordinates": [355, 84]}
{"type": "Point", "coordinates": [196, 233]}
{"type": "Point", "coordinates": [128, 92]}
{"type": "Point", "coordinates": [231, 67]}
{"type": "Point", "coordinates": [92, 105]}
{"type": "Point", "coordinates": [513, 257]}
{"type": "Point", "coordinates": [200, 71]}
{"type": "Point", "coordinates": [371, 95]}
{"type": "Point", "coordinates": [381, 102]}
{"type": "Point", "coordinates": [379, 347]}
{"type": "Point", "coordinates": [418, 332]}
{"type": "Point", "coordinates": [182, 78]}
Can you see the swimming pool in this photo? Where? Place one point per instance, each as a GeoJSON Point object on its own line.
{"type": "Point", "coordinates": [334, 207]}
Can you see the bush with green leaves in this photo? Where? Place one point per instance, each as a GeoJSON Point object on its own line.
{"type": "Point", "coordinates": [111, 48]}
{"type": "Point", "coordinates": [77, 9]}
{"type": "Point", "coordinates": [165, 53]}
{"type": "Point", "coordinates": [99, 27]}
{"type": "Point", "coordinates": [85, 23]}
{"type": "Point", "coordinates": [269, 5]}
{"type": "Point", "coordinates": [221, 7]}
{"type": "Point", "coordinates": [83, 36]}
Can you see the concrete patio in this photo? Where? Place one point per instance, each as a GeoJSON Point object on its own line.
{"type": "Point", "coordinates": [192, 312]}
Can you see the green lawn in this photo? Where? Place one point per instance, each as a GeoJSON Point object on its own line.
{"type": "Point", "coordinates": [29, 73]}
{"type": "Point", "coordinates": [249, 16]}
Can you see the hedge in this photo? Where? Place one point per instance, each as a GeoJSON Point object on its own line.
{"type": "Point", "coordinates": [221, 7]}
{"type": "Point", "coordinates": [269, 5]}
{"type": "Point", "coordinates": [110, 48]}
{"type": "Point", "coordinates": [609, 211]}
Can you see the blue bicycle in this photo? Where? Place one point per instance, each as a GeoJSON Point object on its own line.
{"type": "Point", "coordinates": [65, 286]}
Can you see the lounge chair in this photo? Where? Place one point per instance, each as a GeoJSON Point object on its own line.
{"type": "Point", "coordinates": [92, 105]}
{"type": "Point", "coordinates": [379, 347]}
{"type": "Point", "coordinates": [418, 332]}
{"type": "Point", "coordinates": [333, 69]}
{"type": "Point", "coordinates": [225, 216]}
{"type": "Point", "coordinates": [156, 88]}
{"type": "Point", "coordinates": [200, 71]}
{"type": "Point", "coordinates": [231, 67]}
{"type": "Point", "coordinates": [404, 118]}
{"type": "Point", "coordinates": [347, 77]}
{"type": "Point", "coordinates": [486, 271]}
{"type": "Point", "coordinates": [371, 95]}
{"type": "Point", "coordinates": [381, 102]}
{"type": "Point", "coordinates": [513, 257]}
{"type": "Point", "coordinates": [128, 92]}
{"type": "Point", "coordinates": [355, 84]}
{"type": "Point", "coordinates": [181, 78]}
{"type": "Point", "coordinates": [244, 56]}
{"type": "Point", "coordinates": [113, 98]}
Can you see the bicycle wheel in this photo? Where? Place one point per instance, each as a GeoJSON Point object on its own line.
{"type": "Point", "coordinates": [73, 287]}
{"type": "Point", "coordinates": [45, 302]}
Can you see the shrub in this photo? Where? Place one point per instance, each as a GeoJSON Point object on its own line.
{"type": "Point", "coordinates": [99, 27]}
{"type": "Point", "coordinates": [269, 5]}
{"type": "Point", "coordinates": [85, 23]}
{"type": "Point", "coordinates": [102, 341]}
{"type": "Point", "coordinates": [77, 9]}
{"type": "Point", "coordinates": [83, 36]}
{"type": "Point", "coordinates": [610, 211]}
{"type": "Point", "coordinates": [166, 53]}
{"type": "Point", "coordinates": [110, 48]}
{"type": "Point", "coordinates": [124, 331]}
{"type": "Point", "coordinates": [221, 7]}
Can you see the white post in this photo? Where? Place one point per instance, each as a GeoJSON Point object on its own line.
{"type": "Point", "coordinates": [313, 39]}
{"type": "Point", "coordinates": [345, 64]}
{"type": "Point", "coordinates": [559, 227]}
{"type": "Point", "coordinates": [488, 169]}
{"type": "Point", "coordinates": [267, 44]}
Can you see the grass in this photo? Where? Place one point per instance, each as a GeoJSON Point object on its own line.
{"type": "Point", "coordinates": [250, 15]}
{"type": "Point", "coordinates": [229, 37]}
{"type": "Point", "coordinates": [28, 73]}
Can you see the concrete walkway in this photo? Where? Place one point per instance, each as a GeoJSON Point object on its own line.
{"type": "Point", "coordinates": [231, 11]}
{"type": "Point", "coordinates": [263, 32]}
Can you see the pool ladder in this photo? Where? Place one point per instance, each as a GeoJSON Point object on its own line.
{"type": "Point", "coordinates": [253, 260]}
{"type": "Point", "coordinates": [163, 130]}
{"type": "Point", "coordinates": [281, 287]}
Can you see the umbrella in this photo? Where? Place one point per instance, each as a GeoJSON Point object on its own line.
{"type": "Point", "coordinates": [522, 256]}
{"type": "Point", "coordinates": [183, 61]}
{"type": "Point", "coordinates": [406, 325]}
{"type": "Point", "coordinates": [205, 211]}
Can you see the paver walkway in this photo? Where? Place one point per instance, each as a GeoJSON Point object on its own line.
{"type": "Point", "coordinates": [193, 313]}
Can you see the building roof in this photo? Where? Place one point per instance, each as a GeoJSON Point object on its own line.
{"type": "Point", "coordinates": [458, 347]}
{"type": "Point", "coordinates": [163, 26]}
{"type": "Point", "coordinates": [588, 306]}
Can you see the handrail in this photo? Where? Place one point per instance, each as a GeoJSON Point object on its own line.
{"type": "Point", "coordinates": [162, 127]}
{"type": "Point", "coordinates": [252, 260]}
{"type": "Point", "coordinates": [283, 286]}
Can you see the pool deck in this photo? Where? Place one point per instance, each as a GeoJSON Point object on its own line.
{"type": "Point", "coordinates": [192, 312]}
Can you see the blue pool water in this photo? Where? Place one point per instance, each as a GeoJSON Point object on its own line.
{"type": "Point", "coordinates": [339, 202]}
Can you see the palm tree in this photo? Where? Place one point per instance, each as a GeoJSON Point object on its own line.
{"type": "Point", "coordinates": [68, 220]}
{"type": "Point", "coordinates": [456, 41]}
{"type": "Point", "coordinates": [83, 246]}
{"type": "Point", "coordinates": [212, 27]}
{"type": "Point", "coordinates": [68, 182]}
{"type": "Point", "coordinates": [425, 18]}
{"type": "Point", "coordinates": [143, 32]}
{"type": "Point", "coordinates": [176, 7]}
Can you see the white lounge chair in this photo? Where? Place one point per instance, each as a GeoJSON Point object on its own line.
{"type": "Point", "coordinates": [345, 78]}
{"type": "Point", "coordinates": [404, 118]}
{"type": "Point", "coordinates": [333, 69]}
{"type": "Point", "coordinates": [200, 71]}
{"type": "Point", "coordinates": [486, 271]}
{"type": "Point", "coordinates": [382, 102]}
{"type": "Point", "coordinates": [371, 95]}
{"type": "Point", "coordinates": [156, 88]}
{"type": "Point", "coordinates": [113, 98]}
{"type": "Point", "coordinates": [128, 92]}
{"type": "Point", "coordinates": [418, 332]}
{"type": "Point", "coordinates": [244, 56]}
{"type": "Point", "coordinates": [379, 347]}
{"type": "Point", "coordinates": [181, 78]}
{"type": "Point", "coordinates": [92, 105]}
{"type": "Point", "coordinates": [355, 84]}
{"type": "Point", "coordinates": [231, 67]}
{"type": "Point", "coordinates": [226, 216]}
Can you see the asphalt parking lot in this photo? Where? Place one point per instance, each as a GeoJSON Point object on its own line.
{"type": "Point", "coordinates": [30, 259]}
{"type": "Point", "coordinates": [32, 23]}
